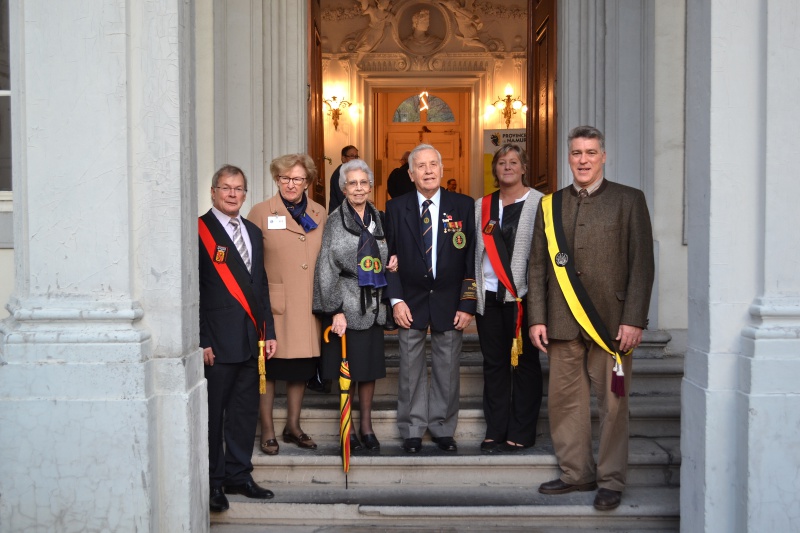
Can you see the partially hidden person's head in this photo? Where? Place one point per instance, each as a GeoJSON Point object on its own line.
{"type": "Point", "coordinates": [425, 169]}
{"type": "Point", "coordinates": [452, 185]}
{"type": "Point", "coordinates": [587, 155]}
{"type": "Point", "coordinates": [509, 165]}
{"type": "Point", "coordinates": [404, 158]}
{"type": "Point", "coordinates": [349, 153]}
{"type": "Point", "coordinates": [228, 190]}
{"type": "Point", "coordinates": [293, 173]}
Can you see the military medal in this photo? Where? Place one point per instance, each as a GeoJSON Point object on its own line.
{"type": "Point", "coordinates": [222, 252]}
{"type": "Point", "coordinates": [459, 239]}
{"type": "Point", "coordinates": [562, 259]}
{"type": "Point", "coordinates": [489, 227]}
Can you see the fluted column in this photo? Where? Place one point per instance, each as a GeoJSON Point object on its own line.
{"type": "Point", "coordinates": [102, 397]}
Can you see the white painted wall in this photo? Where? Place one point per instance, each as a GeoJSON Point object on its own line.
{"type": "Point", "coordinates": [669, 188]}
{"type": "Point", "coordinates": [6, 278]}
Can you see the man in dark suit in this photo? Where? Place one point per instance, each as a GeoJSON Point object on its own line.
{"type": "Point", "coordinates": [235, 314]}
{"type": "Point", "coordinates": [432, 233]}
{"type": "Point", "coordinates": [336, 198]}
{"type": "Point", "coordinates": [399, 181]}
{"type": "Point", "coordinates": [609, 241]}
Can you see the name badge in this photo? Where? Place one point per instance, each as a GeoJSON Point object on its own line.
{"type": "Point", "coordinates": [276, 222]}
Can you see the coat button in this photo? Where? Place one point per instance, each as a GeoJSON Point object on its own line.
{"type": "Point", "coordinates": [579, 272]}
{"type": "Point", "coordinates": [304, 266]}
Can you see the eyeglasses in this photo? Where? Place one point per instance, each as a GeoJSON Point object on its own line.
{"type": "Point", "coordinates": [235, 190]}
{"type": "Point", "coordinates": [286, 179]}
{"type": "Point", "coordinates": [348, 156]}
{"type": "Point", "coordinates": [364, 184]}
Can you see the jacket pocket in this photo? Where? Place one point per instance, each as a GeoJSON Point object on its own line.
{"type": "Point", "coordinates": [277, 298]}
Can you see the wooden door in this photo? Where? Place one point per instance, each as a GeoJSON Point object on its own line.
{"type": "Point", "coordinates": [401, 127]}
{"type": "Point", "coordinates": [542, 139]}
{"type": "Point", "coordinates": [316, 140]}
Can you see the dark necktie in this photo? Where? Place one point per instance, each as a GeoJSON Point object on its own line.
{"type": "Point", "coordinates": [583, 193]}
{"type": "Point", "coordinates": [427, 234]}
{"type": "Point", "coordinates": [238, 241]}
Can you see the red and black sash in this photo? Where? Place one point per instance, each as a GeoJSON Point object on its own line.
{"type": "Point", "coordinates": [233, 273]}
{"type": "Point", "coordinates": [498, 255]}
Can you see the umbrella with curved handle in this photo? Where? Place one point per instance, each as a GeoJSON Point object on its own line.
{"type": "Point", "coordinates": [345, 420]}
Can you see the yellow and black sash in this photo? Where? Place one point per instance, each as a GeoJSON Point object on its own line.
{"type": "Point", "coordinates": [237, 281]}
{"type": "Point", "coordinates": [574, 292]}
{"type": "Point", "coordinates": [501, 263]}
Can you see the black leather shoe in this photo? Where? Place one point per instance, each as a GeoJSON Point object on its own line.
{"type": "Point", "coordinates": [412, 445]}
{"type": "Point", "coordinates": [490, 446]}
{"type": "Point", "coordinates": [355, 445]}
{"type": "Point", "coordinates": [251, 490]}
{"type": "Point", "coordinates": [371, 442]}
{"type": "Point", "coordinates": [560, 487]}
{"type": "Point", "coordinates": [218, 502]}
{"type": "Point", "coordinates": [512, 448]}
{"type": "Point", "coordinates": [607, 499]}
{"type": "Point", "coordinates": [447, 444]}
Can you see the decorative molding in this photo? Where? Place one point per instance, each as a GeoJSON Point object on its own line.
{"type": "Point", "coordinates": [501, 12]}
{"type": "Point", "coordinates": [398, 62]}
{"type": "Point", "coordinates": [339, 14]}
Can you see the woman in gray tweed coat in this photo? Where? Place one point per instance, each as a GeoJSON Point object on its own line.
{"type": "Point", "coordinates": [348, 289]}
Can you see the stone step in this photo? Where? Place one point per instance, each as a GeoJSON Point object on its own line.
{"type": "Point", "coordinates": [650, 416]}
{"type": "Point", "coordinates": [421, 509]}
{"type": "Point", "coordinates": [652, 462]}
{"type": "Point", "coordinates": [651, 377]}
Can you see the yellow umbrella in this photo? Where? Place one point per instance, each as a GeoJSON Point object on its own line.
{"type": "Point", "coordinates": [344, 405]}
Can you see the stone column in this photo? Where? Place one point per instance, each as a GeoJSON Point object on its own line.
{"type": "Point", "coordinates": [102, 396]}
{"type": "Point", "coordinates": [741, 395]}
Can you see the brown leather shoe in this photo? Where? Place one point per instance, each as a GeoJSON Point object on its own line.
{"type": "Point", "coordinates": [270, 447]}
{"type": "Point", "coordinates": [302, 440]}
{"type": "Point", "coordinates": [560, 487]}
{"type": "Point", "coordinates": [607, 499]}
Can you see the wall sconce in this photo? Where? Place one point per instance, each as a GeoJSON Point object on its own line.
{"type": "Point", "coordinates": [509, 105]}
{"type": "Point", "coordinates": [335, 109]}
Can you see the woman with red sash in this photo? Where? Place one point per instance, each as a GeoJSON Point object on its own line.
{"type": "Point", "coordinates": [512, 374]}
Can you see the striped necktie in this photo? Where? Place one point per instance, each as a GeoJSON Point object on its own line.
{"type": "Point", "coordinates": [427, 234]}
{"type": "Point", "coordinates": [238, 241]}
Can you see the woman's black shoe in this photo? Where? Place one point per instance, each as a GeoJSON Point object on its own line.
{"type": "Point", "coordinates": [371, 442]}
{"type": "Point", "coordinates": [490, 446]}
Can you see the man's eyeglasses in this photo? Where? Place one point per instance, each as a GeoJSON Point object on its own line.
{"type": "Point", "coordinates": [235, 190]}
{"type": "Point", "coordinates": [286, 179]}
{"type": "Point", "coordinates": [351, 156]}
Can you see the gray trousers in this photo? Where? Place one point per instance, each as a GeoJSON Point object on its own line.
{"type": "Point", "coordinates": [420, 407]}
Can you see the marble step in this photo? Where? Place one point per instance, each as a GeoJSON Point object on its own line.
{"type": "Point", "coordinates": [650, 416]}
{"type": "Point", "coordinates": [446, 509]}
{"type": "Point", "coordinates": [652, 462]}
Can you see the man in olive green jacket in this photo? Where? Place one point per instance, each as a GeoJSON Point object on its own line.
{"type": "Point", "coordinates": [607, 230]}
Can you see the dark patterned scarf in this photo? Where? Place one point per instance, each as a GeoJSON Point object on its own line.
{"type": "Point", "coordinates": [370, 267]}
{"type": "Point", "coordinates": [298, 212]}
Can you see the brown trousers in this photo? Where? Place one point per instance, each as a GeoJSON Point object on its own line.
{"type": "Point", "coordinates": [578, 368]}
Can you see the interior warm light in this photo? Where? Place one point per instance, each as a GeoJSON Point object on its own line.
{"type": "Point", "coordinates": [509, 105]}
{"type": "Point", "coordinates": [335, 108]}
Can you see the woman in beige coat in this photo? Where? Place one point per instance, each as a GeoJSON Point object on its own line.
{"type": "Point", "coordinates": [292, 224]}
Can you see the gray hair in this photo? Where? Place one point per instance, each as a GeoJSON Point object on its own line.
{"type": "Point", "coordinates": [350, 166]}
{"type": "Point", "coordinates": [587, 132]}
{"type": "Point", "coordinates": [228, 170]}
{"type": "Point", "coordinates": [419, 148]}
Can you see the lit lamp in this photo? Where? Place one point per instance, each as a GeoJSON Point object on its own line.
{"type": "Point", "coordinates": [335, 109]}
{"type": "Point", "coordinates": [509, 105]}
